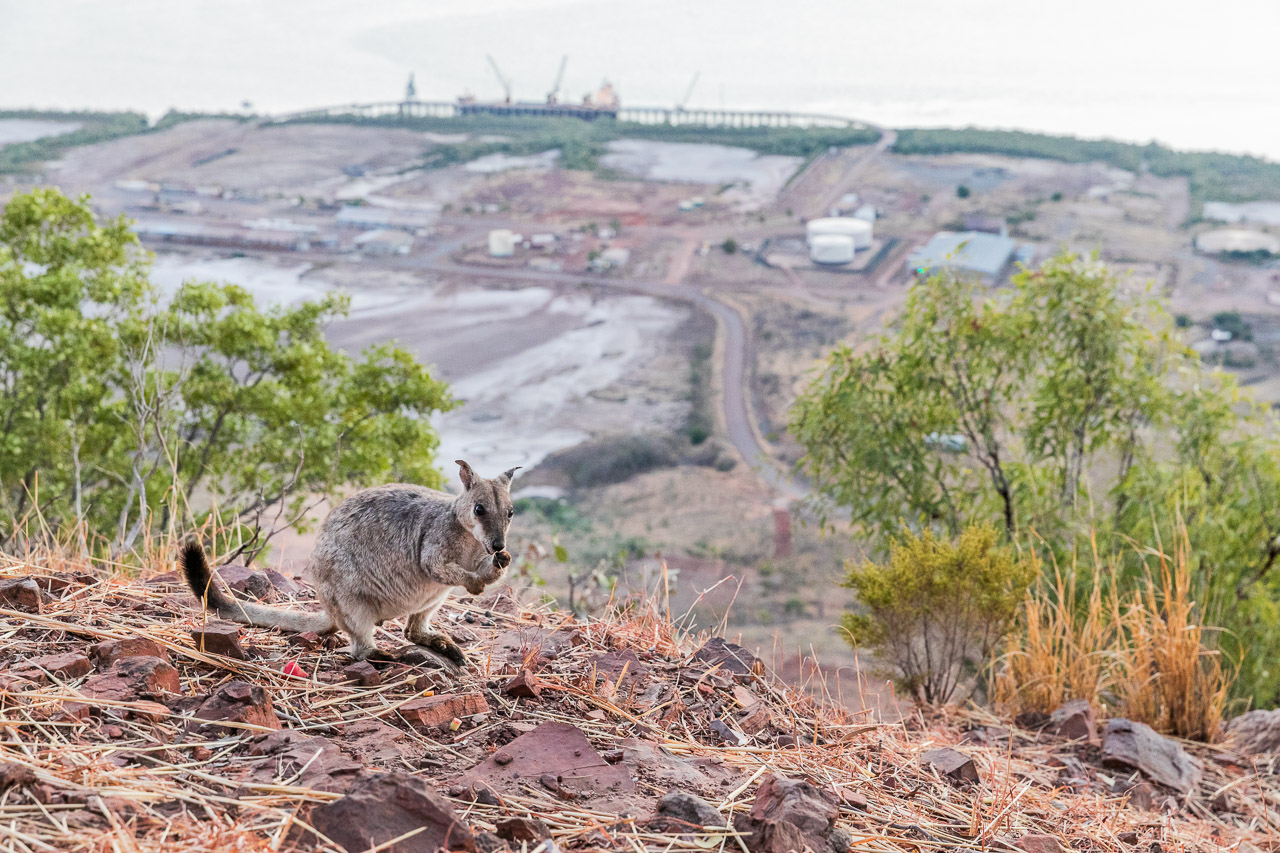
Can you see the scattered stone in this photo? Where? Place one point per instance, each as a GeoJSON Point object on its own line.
{"type": "Point", "coordinates": [731, 658]}
{"type": "Point", "coordinates": [1129, 837]}
{"type": "Point", "coordinates": [15, 774]}
{"type": "Point", "coordinates": [313, 761]}
{"type": "Point", "coordinates": [132, 678]}
{"type": "Point", "coordinates": [563, 753]}
{"type": "Point", "coordinates": [1255, 732]}
{"type": "Point", "coordinates": [727, 734]}
{"type": "Point", "coordinates": [679, 811]}
{"type": "Point", "coordinates": [363, 673]}
{"type": "Point", "coordinates": [431, 712]}
{"type": "Point", "coordinates": [106, 653]}
{"type": "Point", "coordinates": [149, 712]}
{"type": "Point", "coordinates": [308, 640]}
{"type": "Point", "coordinates": [282, 584]}
{"type": "Point", "coordinates": [951, 764]}
{"type": "Point", "coordinates": [526, 685]}
{"type": "Point", "coordinates": [374, 741]}
{"type": "Point", "coordinates": [1142, 795]}
{"type": "Point", "coordinates": [1136, 746]}
{"type": "Point", "coordinates": [390, 805]}
{"type": "Point", "coordinates": [1075, 721]}
{"type": "Point", "coordinates": [66, 666]}
{"type": "Point", "coordinates": [618, 671]}
{"type": "Point", "coordinates": [527, 830]}
{"type": "Point", "coordinates": [237, 702]}
{"type": "Point", "coordinates": [792, 815]}
{"type": "Point", "coordinates": [1037, 843]}
{"type": "Point", "coordinates": [756, 720]}
{"type": "Point", "coordinates": [219, 638]}
{"type": "Point", "coordinates": [246, 582]}
{"type": "Point", "coordinates": [488, 842]}
{"type": "Point", "coordinates": [21, 594]}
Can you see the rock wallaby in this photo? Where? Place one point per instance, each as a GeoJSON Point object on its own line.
{"type": "Point", "coordinates": [383, 553]}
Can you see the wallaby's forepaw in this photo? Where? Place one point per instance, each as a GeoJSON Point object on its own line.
{"type": "Point", "coordinates": [474, 584]}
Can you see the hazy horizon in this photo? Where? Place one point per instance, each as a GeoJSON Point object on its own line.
{"type": "Point", "coordinates": [1091, 68]}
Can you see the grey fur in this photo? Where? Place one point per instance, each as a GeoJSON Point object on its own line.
{"type": "Point", "coordinates": [387, 552]}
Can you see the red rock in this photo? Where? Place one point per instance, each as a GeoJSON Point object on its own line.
{"type": "Point", "coordinates": [219, 638]}
{"type": "Point", "coordinates": [558, 750]}
{"type": "Point", "coordinates": [363, 673]}
{"type": "Point", "coordinates": [1136, 746]}
{"type": "Point", "coordinates": [788, 816]}
{"type": "Point", "coordinates": [237, 702]}
{"type": "Point", "coordinates": [1075, 721]}
{"type": "Point", "coordinates": [951, 764]}
{"type": "Point", "coordinates": [434, 711]}
{"type": "Point", "coordinates": [282, 584]}
{"type": "Point", "coordinates": [526, 685]}
{"type": "Point", "coordinates": [21, 594]}
{"type": "Point", "coordinates": [679, 811]}
{"type": "Point", "coordinates": [756, 720]}
{"type": "Point", "coordinates": [106, 653]}
{"type": "Point", "coordinates": [15, 774]}
{"type": "Point", "coordinates": [307, 639]}
{"type": "Point", "coordinates": [151, 712]}
{"type": "Point", "coordinates": [248, 582]}
{"type": "Point", "coordinates": [314, 762]}
{"type": "Point", "coordinates": [730, 658]}
{"type": "Point", "coordinates": [522, 829]}
{"type": "Point", "coordinates": [388, 806]}
{"type": "Point", "coordinates": [1036, 843]}
{"type": "Point", "coordinates": [1255, 732]}
{"type": "Point", "coordinates": [133, 678]}
{"type": "Point", "coordinates": [66, 666]}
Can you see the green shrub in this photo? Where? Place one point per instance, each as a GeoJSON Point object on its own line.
{"type": "Point", "coordinates": [937, 609]}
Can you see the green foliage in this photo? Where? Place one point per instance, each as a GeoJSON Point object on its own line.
{"type": "Point", "coordinates": [1231, 321]}
{"type": "Point", "coordinates": [729, 246]}
{"type": "Point", "coordinates": [581, 142]}
{"type": "Point", "coordinates": [698, 428]}
{"type": "Point", "coordinates": [937, 609]}
{"type": "Point", "coordinates": [1064, 412]}
{"type": "Point", "coordinates": [21, 157]}
{"type": "Point", "coordinates": [1220, 177]}
{"type": "Point", "coordinates": [120, 411]}
{"type": "Point", "coordinates": [963, 192]}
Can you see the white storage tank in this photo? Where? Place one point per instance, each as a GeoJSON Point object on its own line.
{"type": "Point", "coordinates": [831, 248]}
{"type": "Point", "coordinates": [502, 243]}
{"type": "Point", "coordinates": [859, 229]}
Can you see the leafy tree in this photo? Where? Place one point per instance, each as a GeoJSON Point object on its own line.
{"type": "Point", "coordinates": [963, 192]}
{"type": "Point", "coordinates": [118, 411]}
{"type": "Point", "coordinates": [936, 609]}
{"type": "Point", "coordinates": [1063, 411]}
{"type": "Point", "coordinates": [729, 245]}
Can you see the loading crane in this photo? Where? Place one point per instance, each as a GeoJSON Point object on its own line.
{"type": "Point", "coordinates": [553, 97]}
{"type": "Point", "coordinates": [688, 92]}
{"type": "Point", "coordinates": [506, 84]}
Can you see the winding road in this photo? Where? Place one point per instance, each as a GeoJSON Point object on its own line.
{"type": "Point", "coordinates": [740, 425]}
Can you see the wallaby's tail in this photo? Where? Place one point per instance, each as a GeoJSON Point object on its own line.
{"type": "Point", "coordinates": [196, 568]}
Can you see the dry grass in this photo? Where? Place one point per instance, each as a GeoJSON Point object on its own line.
{"type": "Point", "coordinates": [1145, 656]}
{"type": "Point", "coordinates": [119, 782]}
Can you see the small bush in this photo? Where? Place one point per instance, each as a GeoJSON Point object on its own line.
{"type": "Point", "coordinates": [937, 609]}
{"type": "Point", "coordinates": [614, 460]}
{"type": "Point", "coordinates": [963, 192]}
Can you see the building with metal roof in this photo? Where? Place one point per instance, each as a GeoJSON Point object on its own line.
{"type": "Point", "coordinates": [986, 255]}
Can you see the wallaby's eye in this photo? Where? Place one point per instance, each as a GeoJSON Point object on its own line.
{"type": "Point", "coordinates": [510, 513]}
{"type": "Point", "coordinates": [479, 509]}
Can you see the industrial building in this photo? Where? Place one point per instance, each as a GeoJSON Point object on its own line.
{"type": "Point", "coordinates": [384, 241]}
{"type": "Point", "coordinates": [835, 239]}
{"type": "Point", "coordinates": [367, 218]}
{"type": "Point", "coordinates": [1237, 241]}
{"type": "Point", "coordinates": [986, 255]}
{"type": "Point", "coordinates": [502, 243]}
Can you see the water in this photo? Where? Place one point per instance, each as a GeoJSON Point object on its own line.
{"type": "Point", "coordinates": [1198, 76]}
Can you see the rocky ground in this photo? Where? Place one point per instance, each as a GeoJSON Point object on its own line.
{"type": "Point", "coordinates": [128, 722]}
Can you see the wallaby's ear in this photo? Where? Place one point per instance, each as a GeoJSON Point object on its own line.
{"type": "Point", "coordinates": [465, 473]}
{"type": "Point", "coordinates": [509, 473]}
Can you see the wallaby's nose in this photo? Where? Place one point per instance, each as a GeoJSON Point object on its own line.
{"type": "Point", "coordinates": [498, 545]}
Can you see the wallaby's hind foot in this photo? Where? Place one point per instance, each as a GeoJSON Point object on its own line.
{"type": "Point", "coordinates": [442, 644]}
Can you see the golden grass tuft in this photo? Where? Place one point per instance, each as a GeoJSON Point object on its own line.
{"type": "Point", "coordinates": [1146, 655]}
